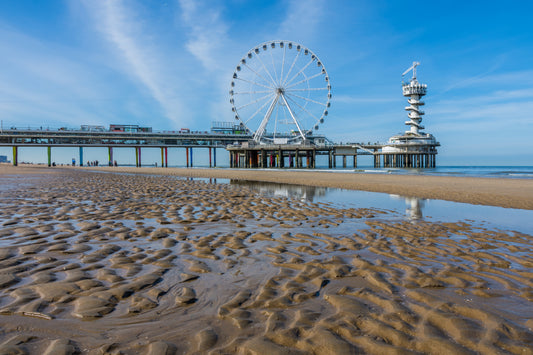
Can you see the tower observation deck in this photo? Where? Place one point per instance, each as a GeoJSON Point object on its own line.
{"type": "Point", "coordinates": [414, 148]}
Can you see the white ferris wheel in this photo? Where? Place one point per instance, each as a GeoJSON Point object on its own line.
{"type": "Point", "coordinates": [280, 91]}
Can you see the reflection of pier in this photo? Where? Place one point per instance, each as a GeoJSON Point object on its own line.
{"type": "Point", "coordinates": [305, 193]}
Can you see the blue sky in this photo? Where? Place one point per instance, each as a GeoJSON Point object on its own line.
{"type": "Point", "coordinates": [168, 65]}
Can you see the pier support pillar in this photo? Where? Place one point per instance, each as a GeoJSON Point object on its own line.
{"type": "Point", "coordinates": [313, 156]}
{"type": "Point", "coordinates": [330, 159]}
{"type": "Point", "coordinates": [138, 157]}
{"type": "Point", "coordinates": [81, 156]}
{"type": "Point", "coordinates": [355, 160]}
{"type": "Point", "coordinates": [190, 151]}
{"type": "Point", "coordinates": [344, 161]}
{"type": "Point", "coordinates": [164, 157]}
{"type": "Point", "coordinates": [281, 159]}
{"type": "Point", "coordinates": [15, 156]}
{"type": "Point", "coordinates": [210, 163]}
{"type": "Point", "coordinates": [215, 157]}
{"type": "Point", "coordinates": [49, 151]}
{"type": "Point", "coordinates": [187, 156]}
{"type": "Point", "coordinates": [110, 155]}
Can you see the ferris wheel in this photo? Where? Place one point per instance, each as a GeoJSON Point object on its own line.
{"type": "Point", "coordinates": [280, 91]}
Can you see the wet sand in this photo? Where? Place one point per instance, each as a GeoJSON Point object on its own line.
{"type": "Point", "coordinates": [118, 263]}
{"type": "Point", "coordinates": [510, 193]}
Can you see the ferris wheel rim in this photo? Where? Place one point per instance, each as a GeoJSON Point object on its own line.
{"type": "Point", "coordinates": [281, 87]}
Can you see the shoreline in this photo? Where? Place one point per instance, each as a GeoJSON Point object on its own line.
{"type": "Point", "coordinates": [500, 192]}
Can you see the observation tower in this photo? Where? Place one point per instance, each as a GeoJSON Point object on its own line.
{"type": "Point", "coordinates": [414, 91]}
{"type": "Point", "coordinates": [414, 148]}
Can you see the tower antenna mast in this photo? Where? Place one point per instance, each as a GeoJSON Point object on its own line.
{"type": "Point", "coordinates": [413, 68]}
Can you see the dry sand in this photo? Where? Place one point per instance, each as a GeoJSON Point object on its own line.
{"type": "Point", "coordinates": [116, 263]}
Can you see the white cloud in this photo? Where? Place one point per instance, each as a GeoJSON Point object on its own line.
{"type": "Point", "coordinates": [207, 32]}
{"type": "Point", "coordinates": [302, 20]}
{"type": "Point", "coordinates": [126, 30]}
{"type": "Point", "coordinates": [347, 99]}
{"type": "Point", "coordinates": [524, 77]}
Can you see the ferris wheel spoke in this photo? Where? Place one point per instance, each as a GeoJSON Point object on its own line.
{"type": "Point", "coordinates": [256, 112]}
{"type": "Point", "coordinates": [292, 66]}
{"type": "Point", "coordinates": [282, 66]}
{"type": "Point", "coordinates": [303, 109]}
{"type": "Point", "coordinates": [304, 80]}
{"type": "Point", "coordinates": [253, 92]}
{"type": "Point", "coordinates": [274, 68]}
{"type": "Point", "coordinates": [308, 89]}
{"type": "Point", "coordinates": [309, 100]}
{"type": "Point", "coordinates": [299, 72]}
{"type": "Point", "coordinates": [255, 101]}
{"type": "Point", "coordinates": [266, 70]}
{"type": "Point", "coordinates": [293, 116]}
{"type": "Point", "coordinates": [258, 74]}
{"type": "Point", "coordinates": [261, 130]}
{"type": "Point", "coordinates": [254, 83]}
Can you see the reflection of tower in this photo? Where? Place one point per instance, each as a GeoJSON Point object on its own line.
{"type": "Point", "coordinates": [414, 91]}
{"type": "Point", "coordinates": [414, 209]}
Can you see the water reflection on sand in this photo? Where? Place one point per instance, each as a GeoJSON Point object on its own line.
{"type": "Point", "coordinates": [409, 208]}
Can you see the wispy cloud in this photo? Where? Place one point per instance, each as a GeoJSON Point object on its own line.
{"type": "Point", "coordinates": [207, 32]}
{"type": "Point", "coordinates": [524, 77]}
{"type": "Point", "coordinates": [302, 20]}
{"type": "Point", "coordinates": [123, 27]}
{"type": "Point", "coordinates": [347, 99]}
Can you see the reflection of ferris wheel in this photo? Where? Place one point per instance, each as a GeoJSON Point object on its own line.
{"type": "Point", "coordinates": [280, 91]}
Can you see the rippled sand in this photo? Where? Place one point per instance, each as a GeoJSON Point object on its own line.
{"type": "Point", "coordinates": [107, 263]}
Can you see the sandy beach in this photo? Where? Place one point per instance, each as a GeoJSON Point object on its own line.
{"type": "Point", "coordinates": [151, 264]}
{"type": "Point", "coordinates": [510, 193]}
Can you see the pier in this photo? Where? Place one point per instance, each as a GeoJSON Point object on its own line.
{"type": "Point", "coordinates": [18, 138]}
{"type": "Point", "coordinates": [244, 153]}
